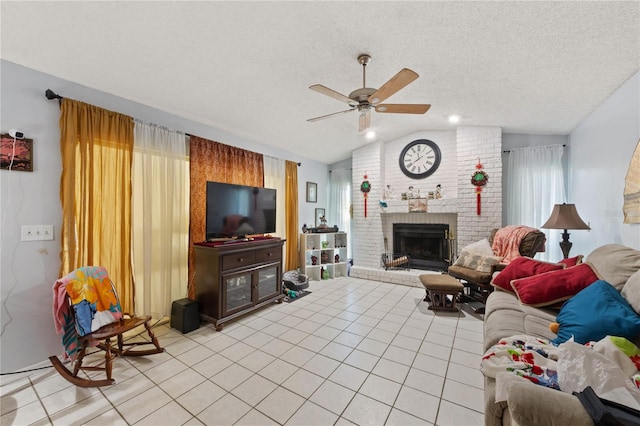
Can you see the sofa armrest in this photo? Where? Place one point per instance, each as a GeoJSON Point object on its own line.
{"type": "Point", "coordinates": [498, 267]}
{"type": "Point", "coordinates": [536, 405]}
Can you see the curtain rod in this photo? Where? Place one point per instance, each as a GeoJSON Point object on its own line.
{"type": "Point", "coordinates": [508, 150]}
{"type": "Point", "coordinates": [50, 94]}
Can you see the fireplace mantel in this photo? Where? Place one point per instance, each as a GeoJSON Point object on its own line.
{"type": "Point", "coordinates": [443, 205]}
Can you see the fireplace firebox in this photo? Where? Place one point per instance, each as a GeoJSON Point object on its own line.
{"type": "Point", "coordinates": [426, 243]}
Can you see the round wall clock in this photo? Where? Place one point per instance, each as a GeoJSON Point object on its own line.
{"type": "Point", "coordinates": [420, 158]}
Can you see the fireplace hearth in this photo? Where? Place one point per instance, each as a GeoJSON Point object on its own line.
{"type": "Point", "coordinates": [426, 243]}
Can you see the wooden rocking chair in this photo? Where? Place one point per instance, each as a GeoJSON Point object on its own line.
{"type": "Point", "coordinates": [101, 338]}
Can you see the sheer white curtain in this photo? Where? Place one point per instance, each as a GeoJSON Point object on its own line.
{"type": "Point", "coordinates": [160, 222]}
{"type": "Point", "coordinates": [340, 202]}
{"type": "Point", "coordinates": [274, 177]}
{"type": "Point", "coordinates": [535, 182]}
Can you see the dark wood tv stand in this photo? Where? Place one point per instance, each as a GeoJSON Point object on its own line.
{"type": "Point", "coordinates": [236, 278]}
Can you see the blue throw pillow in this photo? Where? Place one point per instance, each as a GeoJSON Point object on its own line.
{"type": "Point", "coordinates": [595, 312]}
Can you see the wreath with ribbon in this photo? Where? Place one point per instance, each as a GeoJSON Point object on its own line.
{"type": "Point", "coordinates": [365, 187]}
{"type": "Point", "coordinates": [479, 178]}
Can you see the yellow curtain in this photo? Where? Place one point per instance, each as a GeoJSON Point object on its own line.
{"type": "Point", "coordinates": [216, 162]}
{"type": "Point", "coordinates": [291, 220]}
{"type": "Point", "coordinates": [95, 190]}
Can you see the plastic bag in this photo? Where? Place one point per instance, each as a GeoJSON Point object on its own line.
{"type": "Point", "coordinates": [580, 366]}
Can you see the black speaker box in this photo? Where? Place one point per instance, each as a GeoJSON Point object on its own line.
{"type": "Point", "coordinates": [184, 315]}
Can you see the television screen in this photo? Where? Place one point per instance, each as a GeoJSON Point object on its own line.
{"type": "Point", "coordinates": [237, 210]}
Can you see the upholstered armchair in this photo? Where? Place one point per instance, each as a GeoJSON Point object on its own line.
{"type": "Point", "coordinates": [477, 281]}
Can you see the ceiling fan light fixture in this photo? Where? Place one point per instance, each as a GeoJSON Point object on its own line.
{"type": "Point", "coordinates": [363, 109]}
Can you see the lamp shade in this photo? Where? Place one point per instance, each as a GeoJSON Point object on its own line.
{"type": "Point", "coordinates": [565, 216]}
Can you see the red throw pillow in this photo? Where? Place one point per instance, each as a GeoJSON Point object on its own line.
{"type": "Point", "coordinates": [554, 286]}
{"type": "Point", "coordinates": [572, 261]}
{"type": "Point", "coordinates": [522, 267]}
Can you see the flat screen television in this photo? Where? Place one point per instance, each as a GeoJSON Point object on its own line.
{"type": "Point", "coordinates": [238, 210]}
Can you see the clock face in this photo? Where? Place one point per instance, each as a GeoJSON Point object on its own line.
{"type": "Point", "coordinates": [420, 159]}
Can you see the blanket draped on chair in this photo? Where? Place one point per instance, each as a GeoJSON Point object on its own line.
{"type": "Point", "coordinates": [94, 303]}
{"type": "Point", "coordinates": [506, 242]}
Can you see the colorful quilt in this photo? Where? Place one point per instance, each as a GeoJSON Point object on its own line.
{"type": "Point", "coordinates": [609, 366]}
{"type": "Point", "coordinates": [94, 305]}
{"type": "Point", "coordinates": [525, 356]}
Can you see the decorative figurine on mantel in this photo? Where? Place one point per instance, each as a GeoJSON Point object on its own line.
{"type": "Point", "coordinates": [439, 192]}
{"type": "Point", "coordinates": [388, 193]}
{"type": "Point", "coordinates": [410, 193]}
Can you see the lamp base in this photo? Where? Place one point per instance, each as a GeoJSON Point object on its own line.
{"type": "Point", "coordinates": [565, 244]}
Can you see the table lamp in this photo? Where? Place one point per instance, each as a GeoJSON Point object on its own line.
{"type": "Point", "coordinates": [565, 216]}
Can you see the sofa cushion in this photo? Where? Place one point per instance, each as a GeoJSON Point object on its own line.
{"type": "Point", "coordinates": [595, 312]}
{"type": "Point", "coordinates": [469, 274]}
{"type": "Point", "coordinates": [531, 404]}
{"type": "Point", "coordinates": [554, 286]}
{"type": "Point", "coordinates": [631, 291]}
{"type": "Point", "coordinates": [482, 247]}
{"type": "Point", "coordinates": [522, 267]}
{"type": "Point", "coordinates": [615, 263]}
{"type": "Point", "coordinates": [476, 261]}
{"type": "Point", "coordinates": [505, 316]}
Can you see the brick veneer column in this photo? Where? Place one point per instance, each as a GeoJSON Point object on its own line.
{"type": "Point", "coordinates": [366, 233]}
{"type": "Point", "coordinates": [484, 143]}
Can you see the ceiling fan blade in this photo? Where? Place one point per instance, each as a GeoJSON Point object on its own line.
{"type": "Point", "coordinates": [397, 82]}
{"type": "Point", "coordinates": [365, 121]}
{"type": "Point", "coordinates": [403, 108]}
{"type": "Point", "coordinates": [322, 117]}
{"type": "Point", "coordinates": [333, 94]}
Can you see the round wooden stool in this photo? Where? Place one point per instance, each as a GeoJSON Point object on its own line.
{"type": "Point", "coordinates": [438, 287]}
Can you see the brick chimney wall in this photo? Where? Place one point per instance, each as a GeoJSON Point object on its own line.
{"type": "Point", "coordinates": [461, 150]}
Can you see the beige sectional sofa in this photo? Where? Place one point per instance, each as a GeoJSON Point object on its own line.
{"type": "Point", "coordinates": [529, 404]}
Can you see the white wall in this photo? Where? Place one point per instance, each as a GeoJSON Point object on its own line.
{"type": "Point", "coordinates": [601, 148]}
{"type": "Point", "coordinates": [28, 269]}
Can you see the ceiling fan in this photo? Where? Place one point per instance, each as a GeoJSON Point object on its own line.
{"type": "Point", "coordinates": [366, 98]}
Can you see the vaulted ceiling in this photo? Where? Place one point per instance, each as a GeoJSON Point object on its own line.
{"type": "Point", "coordinates": [245, 67]}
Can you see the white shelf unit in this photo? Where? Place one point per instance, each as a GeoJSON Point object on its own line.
{"type": "Point", "coordinates": [330, 252]}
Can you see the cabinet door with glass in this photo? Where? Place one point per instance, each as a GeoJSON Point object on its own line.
{"type": "Point", "coordinates": [236, 292]}
{"type": "Point", "coordinates": [268, 285]}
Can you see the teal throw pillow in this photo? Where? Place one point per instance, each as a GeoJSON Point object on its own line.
{"type": "Point", "coordinates": [595, 312]}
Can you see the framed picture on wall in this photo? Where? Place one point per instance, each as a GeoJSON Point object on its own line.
{"type": "Point", "coordinates": [319, 217]}
{"type": "Point", "coordinates": [312, 192]}
{"type": "Point", "coordinates": [16, 154]}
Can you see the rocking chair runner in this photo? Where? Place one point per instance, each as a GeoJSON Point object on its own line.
{"type": "Point", "coordinates": [78, 299]}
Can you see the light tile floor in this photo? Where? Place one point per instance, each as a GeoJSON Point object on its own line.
{"type": "Point", "coordinates": [353, 351]}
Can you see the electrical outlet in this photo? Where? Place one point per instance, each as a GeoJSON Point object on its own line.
{"type": "Point", "coordinates": [36, 232]}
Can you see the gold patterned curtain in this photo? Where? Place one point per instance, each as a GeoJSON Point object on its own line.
{"type": "Point", "coordinates": [216, 162]}
{"type": "Point", "coordinates": [95, 190]}
{"type": "Point", "coordinates": [291, 219]}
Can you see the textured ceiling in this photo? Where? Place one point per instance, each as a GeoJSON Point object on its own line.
{"type": "Point", "coordinates": [245, 67]}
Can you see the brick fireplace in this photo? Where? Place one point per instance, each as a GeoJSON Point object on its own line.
{"type": "Point", "coordinates": [461, 150]}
